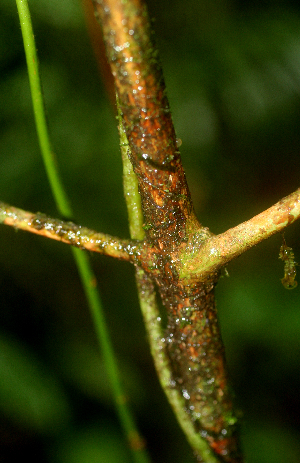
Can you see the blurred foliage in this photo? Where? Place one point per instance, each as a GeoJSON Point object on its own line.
{"type": "Point", "coordinates": [232, 70]}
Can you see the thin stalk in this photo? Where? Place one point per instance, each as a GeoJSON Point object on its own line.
{"type": "Point", "coordinates": [70, 233]}
{"type": "Point", "coordinates": [58, 192]}
{"type": "Point", "coordinates": [136, 442]}
{"type": "Point", "coordinates": [87, 276]}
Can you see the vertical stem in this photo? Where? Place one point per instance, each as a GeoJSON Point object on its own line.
{"type": "Point", "coordinates": [193, 343]}
{"type": "Point", "coordinates": [136, 442]}
{"type": "Point", "coordinates": [149, 307]}
{"type": "Point", "coordinates": [147, 120]}
{"type": "Point", "coordinates": [60, 197]}
{"type": "Point", "coordinates": [87, 276]}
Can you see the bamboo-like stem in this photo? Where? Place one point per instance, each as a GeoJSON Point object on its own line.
{"type": "Point", "coordinates": [196, 262]}
{"type": "Point", "coordinates": [69, 233]}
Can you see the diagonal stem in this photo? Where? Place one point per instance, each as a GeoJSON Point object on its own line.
{"type": "Point", "coordinates": [219, 250]}
{"type": "Point", "coordinates": [147, 120]}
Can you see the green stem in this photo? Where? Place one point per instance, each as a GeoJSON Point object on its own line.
{"type": "Point", "coordinates": [60, 197]}
{"type": "Point", "coordinates": [124, 413]}
{"type": "Point", "coordinates": [87, 276]}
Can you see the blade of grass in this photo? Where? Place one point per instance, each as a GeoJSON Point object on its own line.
{"type": "Point", "coordinates": [87, 276]}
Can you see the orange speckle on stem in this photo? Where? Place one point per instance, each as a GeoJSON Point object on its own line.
{"type": "Point", "coordinates": [280, 218]}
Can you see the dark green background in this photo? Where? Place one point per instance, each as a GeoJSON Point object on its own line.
{"type": "Point", "coordinates": [233, 76]}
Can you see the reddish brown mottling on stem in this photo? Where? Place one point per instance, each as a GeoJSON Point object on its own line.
{"type": "Point", "coordinates": [179, 255]}
{"type": "Point", "coordinates": [197, 355]}
{"type": "Point", "coordinates": [285, 211]}
{"type": "Point", "coordinates": [193, 339]}
{"type": "Point", "coordinates": [146, 117]}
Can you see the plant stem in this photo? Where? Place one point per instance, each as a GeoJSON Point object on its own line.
{"type": "Point", "coordinates": [136, 442]}
{"type": "Point", "coordinates": [193, 342]}
{"type": "Point", "coordinates": [60, 197]}
{"type": "Point", "coordinates": [149, 306]}
{"type": "Point", "coordinates": [179, 255]}
{"type": "Point", "coordinates": [199, 261]}
{"type": "Point", "coordinates": [87, 276]}
{"type": "Point", "coordinates": [147, 118]}
{"type": "Point", "coordinates": [69, 233]}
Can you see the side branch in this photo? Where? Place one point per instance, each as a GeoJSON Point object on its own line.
{"type": "Point", "coordinates": [221, 249]}
{"type": "Point", "coordinates": [69, 233]}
